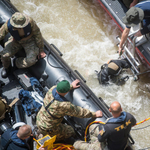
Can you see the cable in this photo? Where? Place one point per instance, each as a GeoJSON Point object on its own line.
{"type": "Point", "coordinates": [144, 148]}
{"type": "Point", "coordinates": [140, 128]}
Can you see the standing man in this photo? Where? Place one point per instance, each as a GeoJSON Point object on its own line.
{"type": "Point", "coordinates": [117, 128]}
{"type": "Point", "coordinates": [135, 15]}
{"type": "Point", "coordinates": [16, 139]}
{"type": "Point", "coordinates": [25, 35]}
{"type": "Point", "coordinates": [54, 109]}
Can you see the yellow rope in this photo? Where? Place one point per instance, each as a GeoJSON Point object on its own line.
{"type": "Point", "coordinates": [60, 146]}
{"type": "Point", "coordinates": [142, 121]}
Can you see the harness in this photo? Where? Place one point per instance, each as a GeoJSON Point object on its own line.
{"type": "Point", "coordinates": [46, 108]}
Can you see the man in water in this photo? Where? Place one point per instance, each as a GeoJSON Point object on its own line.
{"type": "Point", "coordinates": [135, 15]}
{"type": "Point", "coordinates": [25, 34]}
{"type": "Point", "coordinates": [49, 118]}
{"type": "Point", "coordinates": [112, 70]}
{"type": "Point", "coordinates": [115, 131]}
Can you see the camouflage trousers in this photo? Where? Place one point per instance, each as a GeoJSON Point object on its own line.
{"type": "Point", "coordinates": [62, 132]}
{"type": "Point", "coordinates": [12, 47]}
{"type": "Point", "coordinates": [94, 144]}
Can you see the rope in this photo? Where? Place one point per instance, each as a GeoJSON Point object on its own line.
{"type": "Point", "coordinates": [142, 121]}
{"type": "Point", "coordinates": [88, 127]}
{"type": "Point", "coordinates": [60, 146]}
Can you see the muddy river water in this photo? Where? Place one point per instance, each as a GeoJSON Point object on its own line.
{"type": "Point", "coordinates": [86, 36]}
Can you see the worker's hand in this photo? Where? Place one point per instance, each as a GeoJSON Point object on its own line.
{"type": "Point", "coordinates": [120, 51]}
{"type": "Point", "coordinates": [138, 33]}
{"type": "Point", "coordinates": [41, 55]}
{"type": "Point", "coordinates": [99, 114]}
{"type": "Point", "coordinates": [75, 84]}
{"type": "Point", "coordinates": [43, 148]}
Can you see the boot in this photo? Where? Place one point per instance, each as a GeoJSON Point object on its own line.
{"type": "Point", "coordinates": [5, 72]}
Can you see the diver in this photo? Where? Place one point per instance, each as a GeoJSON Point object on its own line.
{"type": "Point", "coordinates": [112, 70]}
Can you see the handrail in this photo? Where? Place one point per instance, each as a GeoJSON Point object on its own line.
{"type": "Point", "coordinates": [134, 63]}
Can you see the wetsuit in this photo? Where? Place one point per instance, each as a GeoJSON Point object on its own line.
{"type": "Point", "coordinates": [106, 72]}
{"type": "Point", "coordinates": [123, 63]}
{"type": "Point", "coordinates": [116, 131]}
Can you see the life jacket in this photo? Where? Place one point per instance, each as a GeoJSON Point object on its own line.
{"type": "Point", "coordinates": [27, 31]}
{"type": "Point", "coordinates": [56, 97]}
{"type": "Point", "coordinates": [116, 131]}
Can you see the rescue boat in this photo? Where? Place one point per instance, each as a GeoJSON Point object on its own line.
{"type": "Point", "coordinates": [49, 71]}
{"type": "Point", "coordinates": [140, 45]}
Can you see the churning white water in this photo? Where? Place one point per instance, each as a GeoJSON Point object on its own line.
{"type": "Point", "coordinates": [86, 36]}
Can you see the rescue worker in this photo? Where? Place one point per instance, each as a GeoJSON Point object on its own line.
{"type": "Point", "coordinates": [16, 139]}
{"type": "Point", "coordinates": [54, 109]}
{"type": "Point", "coordinates": [25, 35]}
{"type": "Point", "coordinates": [111, 71]}
{"type": "Point", "coordinates": [117, 129]}
{"type": "Point", "coordinates": [115, 132]}
{"type": "Point", "coordinates": [139, 13]}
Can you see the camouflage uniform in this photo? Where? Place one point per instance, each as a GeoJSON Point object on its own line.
{"type": "Point", "coordinates": [52, 126]}
{"type": "Point", "coordinates": [94, 144]}
{"type": "Point", "coordinates": [33, 45]}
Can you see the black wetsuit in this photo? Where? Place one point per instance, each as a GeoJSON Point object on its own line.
{"type": "Point", "coordinates": [123, 63]}
{"type": "Point", "coordinates": [106, 73]}
{"type": "Point", "coordinates": [116, 131]}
